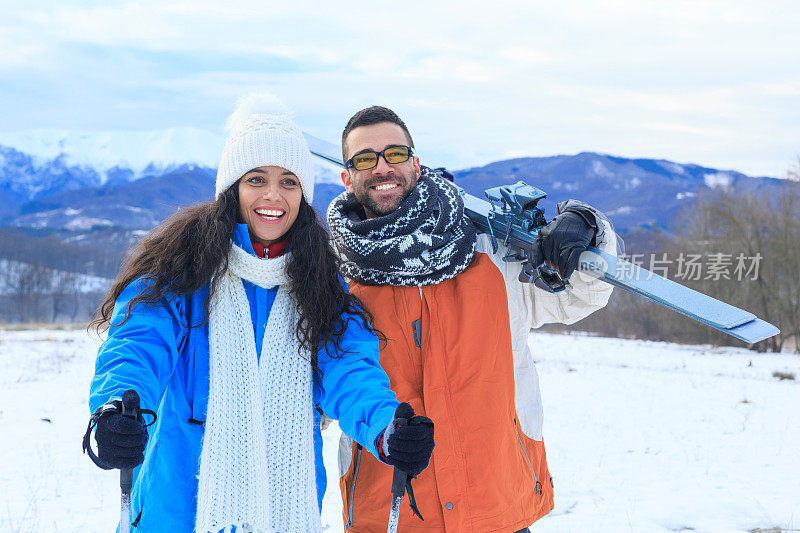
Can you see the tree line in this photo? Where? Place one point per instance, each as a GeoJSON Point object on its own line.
{"type": "Point", "coordinates": [35, 293]}
{"type": "Point", "coordinates": [740, 247]}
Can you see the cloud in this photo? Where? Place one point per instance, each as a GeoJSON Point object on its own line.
{"type": "Point", "coordinates": [786, 88]}
{"type": "Point", "coordinates": [449, 68]}
{"type": "Point", "coordinates": [525, 54]}
{"type": "Point", "coordinates": [18, 52]}
{"type": "Point", "coordinates": [706, 81]}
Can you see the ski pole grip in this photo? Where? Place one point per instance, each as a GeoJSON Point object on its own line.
{"type": "Point", "coordinates": [130, 408]}
{"type": "Point", "coordinates": [130, 403]}
{"type": "Point", "coordinates": [398, 483]}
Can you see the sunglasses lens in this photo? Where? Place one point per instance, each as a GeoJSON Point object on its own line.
{"type": "Point", "coordinates": [392, 155]}
{"type": "Point", "coordinates": [396, 154]}
{"type": "Point", "coordinates": [365, 161]}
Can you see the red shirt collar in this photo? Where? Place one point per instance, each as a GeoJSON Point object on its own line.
{"type": "Point", "coordinates": [276, 249]}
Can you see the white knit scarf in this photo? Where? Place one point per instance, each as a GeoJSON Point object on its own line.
{"type": "Point", "coordinates": [257, 464]}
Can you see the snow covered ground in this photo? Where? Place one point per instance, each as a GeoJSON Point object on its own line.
{"type": "Point", "coordinates": [641, 437]}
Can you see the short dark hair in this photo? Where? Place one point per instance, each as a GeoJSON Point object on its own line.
{"type": "Point", "coordinates": [373, 115]}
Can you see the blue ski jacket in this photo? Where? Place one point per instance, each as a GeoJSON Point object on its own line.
{"type": "Point", "coordinates": [167, 363]}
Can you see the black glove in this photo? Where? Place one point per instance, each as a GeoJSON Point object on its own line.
{"type": "Point", "coordinates": [564, 239]}
{"type": "Point", "coordinates": [121, 439]}
{"type": "Point", "coordinates": [409, 446]}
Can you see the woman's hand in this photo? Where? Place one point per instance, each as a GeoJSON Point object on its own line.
{"type": "Point", "coordinates": [121, 439]}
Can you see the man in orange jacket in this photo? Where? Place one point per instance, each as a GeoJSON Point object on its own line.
{"type": "Point", "coordinates": [456, 322]}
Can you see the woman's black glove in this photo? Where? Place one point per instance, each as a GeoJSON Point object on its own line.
{"type": "Point", "coordinates": [121, 433]}
{"type": "Point", "coordinates": [408, 440]}
{"type": "Point", "coordinates": [562, 241]}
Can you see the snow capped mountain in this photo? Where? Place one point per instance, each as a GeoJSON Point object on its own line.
{"type": "Point", "coordinates": [138, 151]}
{"type": "Point", "coordinates": [97, 158]}
{"type": "Point", "coordinates": [51, 179]}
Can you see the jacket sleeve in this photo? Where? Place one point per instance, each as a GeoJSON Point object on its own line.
{"type": "Point", "coordinates": [354, 389]}
{"type": "Point", "coordinates": [530, 307]}
{"type": "Point", "coordinates": [140, 354]}
{"type": "Point", "coordinates": [584, 295]}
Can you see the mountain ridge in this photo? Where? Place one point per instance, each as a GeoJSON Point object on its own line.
{"type": "Point", "coordinates": [67, 191]}
{"type": "Point", "coordinates": [635, 193]}
{"type": "Point", "coordinates": [136, 150]}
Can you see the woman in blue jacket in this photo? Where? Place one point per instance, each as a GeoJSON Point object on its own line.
{"type": "Point", "coordinates": [231, 322]}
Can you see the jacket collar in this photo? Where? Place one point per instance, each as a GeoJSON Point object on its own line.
{"type": "Point", "coordinates": [241, 238]}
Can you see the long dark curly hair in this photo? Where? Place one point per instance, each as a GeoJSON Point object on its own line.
{"type": "Point", "coordinates": [186, 251]}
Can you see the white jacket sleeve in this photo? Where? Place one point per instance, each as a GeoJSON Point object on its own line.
{"type": "Point", "coordinates": [530, 307]}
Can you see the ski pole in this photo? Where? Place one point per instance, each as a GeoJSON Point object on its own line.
{"type": "Point", "coordinates": [399, 479]}
{"type": "Point", "coordinates": [130, 408]}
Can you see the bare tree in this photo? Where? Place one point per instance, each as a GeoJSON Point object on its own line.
{"type": "Point", "coordinates": [66, 296]}
{"type": "Point", "coordinates": [794, 171]}
{"type": "Point", "coordinates": [30, 285]}
{"type": "Point", "coordinates": [763, 226]}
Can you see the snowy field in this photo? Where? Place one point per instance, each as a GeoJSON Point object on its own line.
{"type": "Point", "coordinates": [641, 437]}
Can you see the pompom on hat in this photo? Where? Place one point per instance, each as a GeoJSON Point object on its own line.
{"type": "Point", "coordinates": [261, 133]}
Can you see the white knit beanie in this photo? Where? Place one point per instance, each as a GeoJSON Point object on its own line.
{"type": "Point", "coordinates": [261, 133]}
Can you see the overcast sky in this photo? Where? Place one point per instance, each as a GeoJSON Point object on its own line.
{"type": "Point", "coordinates": [714, 83]}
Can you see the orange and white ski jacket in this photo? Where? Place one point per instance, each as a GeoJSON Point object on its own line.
{"type": "Point", "coordinates": [469, 369]}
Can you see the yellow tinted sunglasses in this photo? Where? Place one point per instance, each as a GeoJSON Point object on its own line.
{"type": "Point", "coordinates": [369, 159]}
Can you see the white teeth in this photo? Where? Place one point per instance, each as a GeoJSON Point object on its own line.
{"type": "Point", "coordinates": [385, 186]}
{"type": "Point", "coordinates": [270, 212]}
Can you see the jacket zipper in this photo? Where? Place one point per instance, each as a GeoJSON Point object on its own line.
{"type": "Point", "coordinates": [538, 486]}
{"type": "Point", "coordinates": [416, 325]}
{"type": "Point", "coordinates": [353, 488]}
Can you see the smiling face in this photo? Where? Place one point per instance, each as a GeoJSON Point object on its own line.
{"type": "Point", "coordinates": [383, 188]}
{"type": "Point", "coordinates": [269, 200]}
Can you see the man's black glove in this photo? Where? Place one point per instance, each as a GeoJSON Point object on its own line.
{"type": "Point", "coordinates": [409, 445]}
{"type": "Point", "coordinates": [562, 241]}
{"type": "Point", "coordinates": [121, 438]}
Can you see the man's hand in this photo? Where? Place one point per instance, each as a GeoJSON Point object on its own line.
{"type": "Point", "coordinates": [562, 241]}
{"type": "Point", "coordinates": [408, 446]}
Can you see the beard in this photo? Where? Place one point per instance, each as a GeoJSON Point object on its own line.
{"type": "Point", "coordinates": [376, 207]}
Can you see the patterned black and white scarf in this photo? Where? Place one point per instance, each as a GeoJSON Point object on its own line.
{"type": "Point", "coordinates": [427, 240]}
